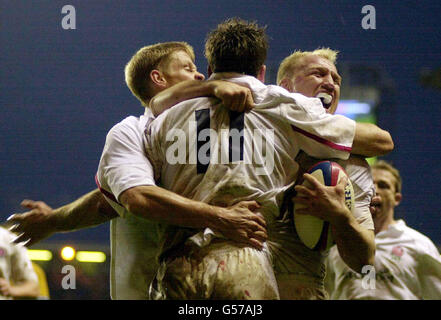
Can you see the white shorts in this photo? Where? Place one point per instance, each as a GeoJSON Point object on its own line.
{"type": "Point", "coordinates": [296, 287]}
{"type": "Point", "coordinates": [299, 270]}
{"type": "Point", "coordinates": [222, 270]}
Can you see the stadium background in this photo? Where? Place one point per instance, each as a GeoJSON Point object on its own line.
{"type": "Point", "coordinates": [62, 90]}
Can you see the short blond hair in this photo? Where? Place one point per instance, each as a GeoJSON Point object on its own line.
{"type": "Point", "coordinates": [384, 165]}
{"type": "Point", "coordinates": [290, 64]}
{"type": "Point", "coordinates": [146, 59]}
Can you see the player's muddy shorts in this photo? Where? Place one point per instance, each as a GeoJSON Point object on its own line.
{"type": "Point", "coordinates": [296, 287]}
{"type": "Point", "coordinates": [299, 270]}
{"type": "Point", "coordinates": [221, 270]}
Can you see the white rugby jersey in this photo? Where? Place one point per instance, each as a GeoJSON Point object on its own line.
{"type": "Point", "coordinates": [359, 172]}
{"type": "Point", "coordinates": [123, 163]}
{"type": "Point", "coordinates": [221, 167]}
{"type": "Point", "coordinates": [134, 243]}
{"type": "Point", "coordinates": [407, 267]}
{"type": "Point", "coordinates": [15, 265]}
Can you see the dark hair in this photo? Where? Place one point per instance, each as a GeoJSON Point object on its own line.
{"type": "Point", "coordinates": [236, 45]}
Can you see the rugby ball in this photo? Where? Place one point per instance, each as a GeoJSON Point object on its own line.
{"type": "Point", "coordinates": [314, 232]}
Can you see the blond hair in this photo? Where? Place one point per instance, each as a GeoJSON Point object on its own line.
{"type": "Point", "coordinates": [289, 65]}
{"type": "Point", "coordinates": [146, 59]}
{"type": "Point", "coordinates": [384, 165]}
{"type": "Point", "coordinates": [238, 46]}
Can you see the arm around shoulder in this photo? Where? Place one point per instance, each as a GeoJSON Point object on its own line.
{"type": "Point", "coordinates": [235, 97]}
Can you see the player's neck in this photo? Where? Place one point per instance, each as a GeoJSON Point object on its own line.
{"type": "Point", "coordinates": [383, 222]}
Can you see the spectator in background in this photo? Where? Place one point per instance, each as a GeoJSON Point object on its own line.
{"type": "Point", "coordinates": [18, 279]}
{"type": "Point", "coordinates": [407, 263]}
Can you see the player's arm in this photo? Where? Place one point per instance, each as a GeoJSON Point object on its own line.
{"type": "Point", "coordinates": [325, 136]}
{"type": "Point", "coordinates": [356, 245]}
{"type": "Point", "coordinates": [233, 96]}
{"type": "Point", "coordinates": [241, 222]}
{"type": "Point", "coordinates": [371, 141]}
{"type": "Point", "coordinates": [41, 221]}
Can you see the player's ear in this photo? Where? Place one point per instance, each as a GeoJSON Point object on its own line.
{"type": "Point", "coordinates": [158, 78]}
{"type": "Point", "coordinates": [261, 73]}
{"type": "Point", "coordinates": [398, 197]}
{"type": "Point", "coordinates": [286, 83]}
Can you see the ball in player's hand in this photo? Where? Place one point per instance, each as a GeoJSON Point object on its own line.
{"type": "Point", "coordinates": [314, 232]}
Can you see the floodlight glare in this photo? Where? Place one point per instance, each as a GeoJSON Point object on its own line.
{"type": "Point", "coordinates": [68, 253]}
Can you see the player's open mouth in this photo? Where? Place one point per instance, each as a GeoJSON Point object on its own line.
{"type": "Point", "coordinates": [376, 202]}
{"type": "Point", "coordinates": [325, 98]}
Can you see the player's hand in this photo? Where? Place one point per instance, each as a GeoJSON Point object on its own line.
{"type": "Point", "coordinates": [243, 223]}
{"type": "Point", "coordinates": [5, 288]}
{"type": "Point", "coordinates": [233, 96]}
{"type": "Point", "coordinates": [34, 225]}
{"type": "Point", "coordinates": [326, 203]}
